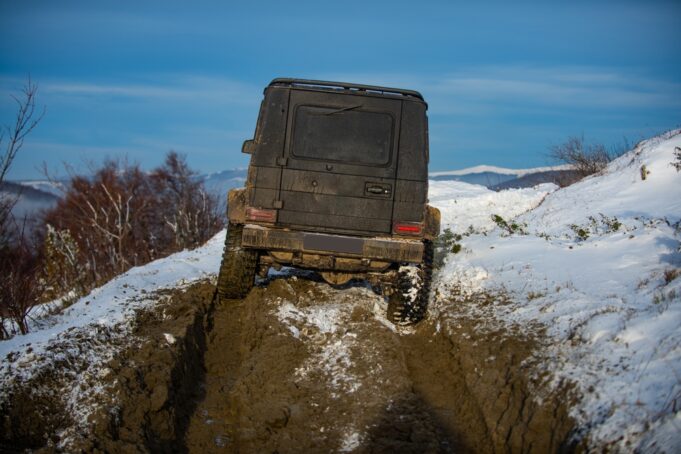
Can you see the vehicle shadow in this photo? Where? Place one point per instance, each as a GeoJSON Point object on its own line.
{"type": "Point", "coordinates": [410, 425]}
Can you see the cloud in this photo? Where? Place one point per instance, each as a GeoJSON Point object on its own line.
{"type": "Point", "coordinates": [568, 87]}
{"type": "Point", "coordinates": [478, 89]}
{"type": "Point", "coordinates": [174, 88]}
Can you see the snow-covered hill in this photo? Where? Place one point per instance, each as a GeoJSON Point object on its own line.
{"type": "Point", "coordinates": [599, 265]}
{"type": "Point", "coordinates": [497, 170]}
{"type": "Point", "coordinates": [29, 200]}
{"type": "Point", "coordinates": [503, 178]}
{"type": "Point", "coordinates": [594, 268]}
{"type": "Point", "coordinates": [219, 183]}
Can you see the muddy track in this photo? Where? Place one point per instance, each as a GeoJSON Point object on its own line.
{"type": "Point", "coordinates": [299, 366]}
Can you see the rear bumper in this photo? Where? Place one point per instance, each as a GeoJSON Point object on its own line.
{"type": "Point", "coordinates": [384, 249]}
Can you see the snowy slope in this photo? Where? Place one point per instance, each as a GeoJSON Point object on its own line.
{"type": "Point", "coordinates": [107, 312]}
{"type": "Point", "coordinates": [465, 206]}
{"type": "Point", "coordinates": [117, 300]}
{"type": "Point", "coordinates": [596, 268]}
{"type": "Point", "coordinates": [600, 268]}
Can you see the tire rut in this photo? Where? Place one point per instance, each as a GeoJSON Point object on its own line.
{"type": "Point", "coordinates": [298, 366]}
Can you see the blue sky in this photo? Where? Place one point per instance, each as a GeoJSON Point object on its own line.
{"type": "Point", "coordinates": [504, 80]}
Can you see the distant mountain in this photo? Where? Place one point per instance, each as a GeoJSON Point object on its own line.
{"type": "Point", "coordinates": [560, 177]}
{"type": "Point", "coordinates": [30, 202]}
{"type": "Point", "coordinates": [495, 177]}
{"type": "Point", "coordinates": [219, 183]}
{"type": "Point", "coordinates": [54, 187]}
{"type": "Point", "coordinates": [493, 169]}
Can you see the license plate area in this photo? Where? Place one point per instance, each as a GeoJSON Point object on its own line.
{"type": "Point", "coordinates": [329, 243]}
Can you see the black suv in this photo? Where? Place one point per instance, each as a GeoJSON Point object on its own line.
{"type": "Point", "coordinates": [338, 183]}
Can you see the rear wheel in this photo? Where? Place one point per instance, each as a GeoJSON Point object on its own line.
{"type": "Point", "coordinates": [409, 302]}
{"type": "Point", "coordinates": [237, 270]}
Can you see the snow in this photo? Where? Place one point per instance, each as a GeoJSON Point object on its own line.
{"type": "Point", "coordinates": [170, 339]}
{"type": "Point", "coordinates": [351, 441]}
{"type": "Point", "coordinates": [89, 332]}
{"type": "Point", "coordinates": [466, 206]}
{"type": "Point", "coordinates": [56, 188]}
{"type": "Point", "coordinates": [597, 264]}
{"type": "Point", "coordinates": [599, 267]}
{"type": "Point", "coordinates": [117, 300]}
{"type": "Point", "coordinates": [495, 169]}
{"type": "Point", "coordinates": [331, 359]}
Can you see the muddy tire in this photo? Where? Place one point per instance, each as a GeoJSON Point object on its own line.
{"type": "Point", "coordinates": [409, 302]}
{"type": "Point", "coordinates": [237, 270]}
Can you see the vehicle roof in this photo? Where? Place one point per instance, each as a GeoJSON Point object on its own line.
{"type": "Point", "coordinates": [345, 86]}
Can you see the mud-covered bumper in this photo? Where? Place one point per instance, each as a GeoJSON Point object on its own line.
{"type": "Point", "coordinates": [384, 249]}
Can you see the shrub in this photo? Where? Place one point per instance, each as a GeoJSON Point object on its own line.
{"type": "Point", "coordinates": [581, 232]}
{"type": "Point", "coordinates": [584, 158]}
{"type": "Point", "coordinates": [596, 226]}
{"type": "Point", "coordinates": [124, 217]}
{"type": "Point", "coordinates": [447, 242]}
{"type": "Point", "coordinates": [62, 271]}
{"type": "Point", "coordinates": [20, 285]}
{"type": "Point", "coordinates": [511, 228]}
{"type": "Point", "coordinates": [670, 274]}
{"type": "Point", "coordinates": [189, 213]}
{"type": "Point", "coordinates": [677, 162]}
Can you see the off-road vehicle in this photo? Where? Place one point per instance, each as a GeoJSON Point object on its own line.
{"type": "Point", "coordinates": [337, 183]}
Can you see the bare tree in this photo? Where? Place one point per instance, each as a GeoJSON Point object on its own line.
{"type": "Point", "coordinates": [62, 271]}
{"type": "Point", "coordinates": [11, 140]}
{"type": "Point", "coordinates": [584, 158]}
{"type": "Point", "coordinates": [189, 213]}
{"type": "Point", "coordinates": [19, 284]}
{"type": "Point", "coordinates": [26, 120]}
{"type": "Point", "coordinates": [108, 216]}
{"type": "Point", "coordinates": [7, 224]}
{"type": "Point", "coordinates": [122, 217]}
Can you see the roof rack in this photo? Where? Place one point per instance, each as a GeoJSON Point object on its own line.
{"type": "Point", "coordinates": [346, 86]}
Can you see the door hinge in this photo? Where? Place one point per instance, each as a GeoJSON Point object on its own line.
{"type": "Point", "coordinates": [282, 161]}
{"type": "Point", "coordinates": [278, 204]}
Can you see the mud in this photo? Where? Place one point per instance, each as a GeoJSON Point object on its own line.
{"type": "Point", "coordinates": [299, 366]}
{"type": "Point", "coordinates": [153, 386]}
{"type": "Point", "coordinates": [141, 398]}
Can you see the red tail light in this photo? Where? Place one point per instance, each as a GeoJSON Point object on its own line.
{"type": "Point", "coordinates": [262, 215]}
{"type": "Point", "coordinates": [407, 228]}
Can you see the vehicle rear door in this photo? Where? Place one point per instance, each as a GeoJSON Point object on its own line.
{"type": "Point", "coordinates": [340, 162]}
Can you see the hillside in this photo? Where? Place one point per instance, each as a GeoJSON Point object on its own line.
{"type": "Point", "coordinates": [598, 264]}
{"type": "Point", "coordinates": [555, 327]}
{"type": "Point", "coordinates": [498, 178]}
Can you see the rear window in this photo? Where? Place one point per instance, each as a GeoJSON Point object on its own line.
{"type": "Point", "coordinates": [342, 134]}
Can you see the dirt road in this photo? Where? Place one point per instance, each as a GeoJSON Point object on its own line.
{"type": "Point", "coordinates": [301, 367]}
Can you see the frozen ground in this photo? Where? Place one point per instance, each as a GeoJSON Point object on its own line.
{"type": "Point", "coordinates": [596, 263]}
{"type": "Point", "coordinates": [599, 265]}
{"type": "Point", "coordinates": [82, 339]}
